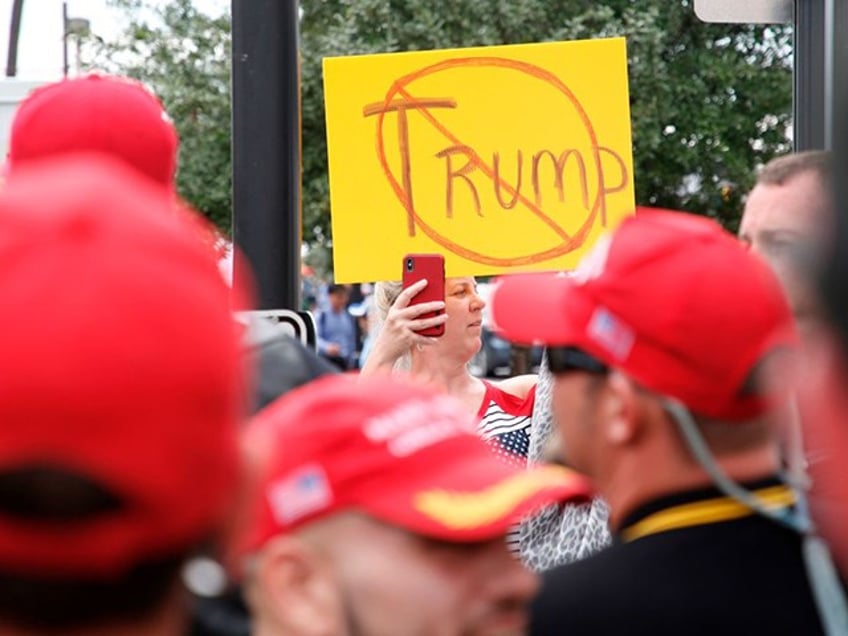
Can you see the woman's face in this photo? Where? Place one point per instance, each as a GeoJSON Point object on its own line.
{"type": "Point", "coordinates": [465, 316]}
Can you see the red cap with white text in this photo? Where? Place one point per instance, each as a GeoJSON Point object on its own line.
{"type": "Point", "coordinates": [402, 453]}
{"type": "Point", "coordinates": [669, 298]}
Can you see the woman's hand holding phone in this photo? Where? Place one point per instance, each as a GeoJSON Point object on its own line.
{"type": "Point", "coordinates": [400, 331]}
{"type": "Point", "coordinates": [405, 320]}
{"type": "Point", "coordinates": [432, 268]}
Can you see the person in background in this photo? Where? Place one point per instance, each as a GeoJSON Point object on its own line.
{"type": "Point", "coordinates": [824, 395]}
{"type": "Point", "coordinates": [336, 329]}
{"type": "Point", "coordinates": [122, 387]}
{"type": "Point", "coordinates": [503, 407]}
{"type": "Point", "coordinates": [666, 396]}
{"type": "Point", "coordinates": [362, 312]}
{"type": "Point", "coordinates": [787, 218]}
{"type": "Point", "coordinates": [381, 513]}
{"type": "Point", "coordinates": [562, 533]}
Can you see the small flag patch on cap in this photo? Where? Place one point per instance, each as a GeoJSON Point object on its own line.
{"type": "Point", "coordinates": [611, 333]}
{"type": "Point", "coordinates": [300, 494]}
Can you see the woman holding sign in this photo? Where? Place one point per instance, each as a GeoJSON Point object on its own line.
{"type": "Point", "coordinates": [504, 408]}
{"type": "Point", "coordinates": [556, 535]}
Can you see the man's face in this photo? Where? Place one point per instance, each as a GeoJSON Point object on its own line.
{"type": "Point", "coordinates": [394, 583]}
{"type": "Point", "coordinates": [575, 413]}
{"type": "Point", "coordinates": [778, 217]}
{"type": "Point", "coordinates": [338, 299]}
{"type": "Point", "coordinates": [780, 222]}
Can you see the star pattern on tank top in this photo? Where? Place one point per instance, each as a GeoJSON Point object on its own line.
{"type": "Point", "coordinates": [508, 435]}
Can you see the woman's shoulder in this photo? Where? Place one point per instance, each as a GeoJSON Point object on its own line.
{"type": "Point", "coordinates": [508, 398]}
{"type": "Point", "coordinates": [519, 386]}
{"type": "Point", "coordinates": [514, 395]}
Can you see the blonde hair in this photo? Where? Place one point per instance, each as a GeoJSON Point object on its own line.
{"type": "Point", "coordinates": [385, 295]}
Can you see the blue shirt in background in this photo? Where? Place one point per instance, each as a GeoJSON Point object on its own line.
{"type": "Point", "coordinates": [337, 328]}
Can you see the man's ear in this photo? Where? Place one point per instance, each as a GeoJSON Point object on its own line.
{"type": "Point", "coordinates": [294, 591]}
{"type": "Point", "coordinates": [620, 408]}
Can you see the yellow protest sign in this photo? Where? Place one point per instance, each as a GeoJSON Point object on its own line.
{"type": "Point", "coordinates": [506, 158]}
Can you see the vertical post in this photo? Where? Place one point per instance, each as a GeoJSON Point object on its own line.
{"type": "Point", "coordinates": [812, 119]}
{"type": "Point", "coordinates": [839, 56]}
{"type": "Point", "coordinates": [835, 271]}
{"type": "Point", "coordinates": [266, 146]}
{"type": "Point", "coordinates": [64, 39]}
{"type": "Point", "coordinates": [14, 35]}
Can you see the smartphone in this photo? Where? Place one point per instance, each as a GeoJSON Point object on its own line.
{"type": "Point", "coordinates": [431, 267]}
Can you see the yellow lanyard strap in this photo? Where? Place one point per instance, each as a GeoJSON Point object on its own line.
{"type": "Point", "coordinates": [708, 511]}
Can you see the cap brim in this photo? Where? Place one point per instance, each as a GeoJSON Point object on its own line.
{"type": "Point", "coordinates": [534, 309]}
{"type": "Point", "coordinates": [478, 499]}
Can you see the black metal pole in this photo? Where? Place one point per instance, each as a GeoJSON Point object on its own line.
{"type": "Point", "coordinates": [839, 65]}
{"type": "Point", "coordinates": [834, 275]}
{"type": "Point", "coordinates": [14, 35]}
{"type": "Point", "coordinates": [65, 66]}
{"type": "Point", "coordinates": [266, 147]}
{"type": "Point", "coordinates": [835, 271]}
{"type": "Point", "coordinates": [811, 111]}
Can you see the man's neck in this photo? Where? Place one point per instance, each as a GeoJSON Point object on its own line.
{"type": "Point", "coordinates": [631, 487]}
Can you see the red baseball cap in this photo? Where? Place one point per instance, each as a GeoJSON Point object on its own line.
{"type": "Point", "coordinates": [670, 299]}
{"type": "Point", "coordinates": [405, 454]}
{"type": "Point", "coordinates": [110, 114]}
{"type": "Point", "coordinates": [119, 363]}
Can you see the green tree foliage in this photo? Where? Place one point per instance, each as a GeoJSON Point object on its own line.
{"type": "Point", "coordinates": [708, 102]}
{"type": "Point", "coordinates": [183, 54]}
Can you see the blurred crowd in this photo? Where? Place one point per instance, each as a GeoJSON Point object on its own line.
{"type": "Point", "coordinates": [171, 464]}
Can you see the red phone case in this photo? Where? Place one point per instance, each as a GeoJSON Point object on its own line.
{"type": "Point", "coordinates": [431, 267]}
